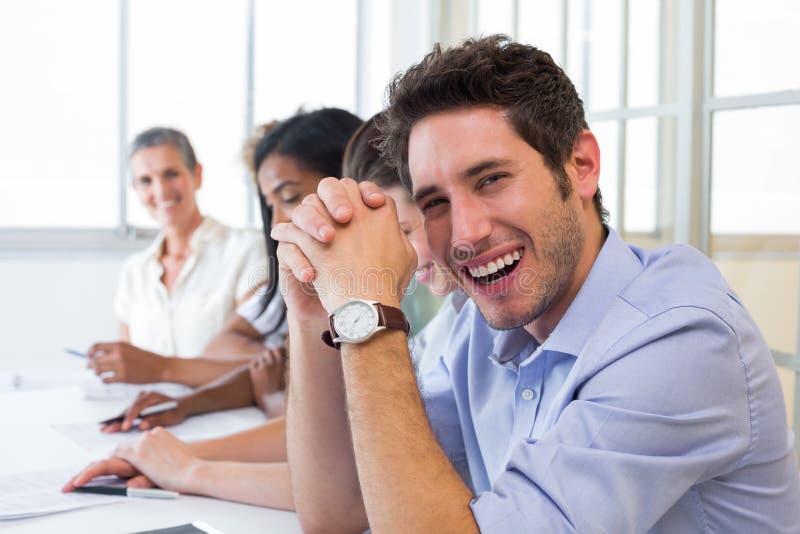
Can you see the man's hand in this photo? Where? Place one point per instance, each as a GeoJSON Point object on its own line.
{"type": "Point", "coordinates": [364, 255]}
{"type": "Point", "coordinates": [295, 271]}
{"type": "Point", "coordinates": [123, 362]}
{"type": "Point", "coordinates": [143, 400]}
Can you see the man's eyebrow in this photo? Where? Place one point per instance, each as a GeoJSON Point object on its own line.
{"type": "Point", "coordinates": [424, 192]}
{"type": "Point", "coordinates": [282, 185]}
{"type": "Point", "coordinates": [484, 166]}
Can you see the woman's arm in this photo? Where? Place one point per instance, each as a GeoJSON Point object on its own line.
{"type": "Point", "coordinates": [265, 443]}
{"type": "Point", "coordinates": [159, 458]}
{"type": "Point", "coordinates": [236, 337]}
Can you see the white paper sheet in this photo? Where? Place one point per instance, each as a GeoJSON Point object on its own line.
{"type": "Point", "coordinates": [87, 433]}
{"type": "Point", "coordinates": [39, 493]}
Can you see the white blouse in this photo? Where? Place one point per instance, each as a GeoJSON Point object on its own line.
{"type": "Point", "coordinates": [224, 264]}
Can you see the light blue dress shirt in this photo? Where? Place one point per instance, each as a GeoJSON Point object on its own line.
{"type": "Point", "coordinates": [653, 406]}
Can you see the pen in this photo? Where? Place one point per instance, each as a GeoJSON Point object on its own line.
{"type": "Point", "coordinates": [148, 493]}
{"type": "Point", "coordinates": [77, 353]}
{"type": "Point", "coordinates": [150, 410]}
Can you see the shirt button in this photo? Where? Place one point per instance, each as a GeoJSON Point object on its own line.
{"type": "Point", "coordinates": [528, 394]}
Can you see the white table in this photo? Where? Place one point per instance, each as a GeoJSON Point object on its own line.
{"type": "Point", "coordinates": [27, 443]}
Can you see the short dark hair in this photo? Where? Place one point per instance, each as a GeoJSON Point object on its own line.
{"type": "Point", "coordinates": [158, 136]}
{"type": "Point", "coordinates": [363, 161]}
{"type": "Point", "coordinates": [540, 101]}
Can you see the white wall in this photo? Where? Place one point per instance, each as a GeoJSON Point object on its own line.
{"type": "Point", "coordinates": [49, 302]}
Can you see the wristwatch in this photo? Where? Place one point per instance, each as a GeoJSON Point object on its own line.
{"type": "Point", "coordinates": [357, 320]}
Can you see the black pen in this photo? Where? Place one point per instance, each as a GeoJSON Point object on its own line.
{"type": "Point", "coordinates": [150, 410]}
{"type": "Point", "coordinates": [148, 493]}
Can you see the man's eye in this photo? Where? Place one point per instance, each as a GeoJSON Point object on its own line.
{"type": "Point", "coordinates": [490, 180]}
{"type": "Point", "coordinates": [292, 199]}
{"type": "Point", "coordinates": [143, 181]}
{"type": "Point", "coordinates": [170, 174]}
{"type": "Point", "coordinates": [433, 203]}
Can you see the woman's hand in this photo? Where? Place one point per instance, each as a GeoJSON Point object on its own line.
{"type": "Point", "coordinates": [144, 400]}
{"type": "Point", "coordinates": [154, 458]}
{"type": "Point", "coordinates": [110, 466]}
{"type": "Point", "coordinates": [123, 362]}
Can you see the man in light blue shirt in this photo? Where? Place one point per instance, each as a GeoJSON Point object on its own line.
{"type": "Point", "coordinates": [588, 386]}
{"type": "Point", "coordinates": [653, 405]}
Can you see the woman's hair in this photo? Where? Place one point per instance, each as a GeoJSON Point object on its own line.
{"type": "Point", "coordinates": [315, 141]}
{"type": "Point", "coordinates": [363, 161]}
{"type": "Point", "coordinates": [158, 136]}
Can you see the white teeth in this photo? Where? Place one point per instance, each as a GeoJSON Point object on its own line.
{"type": "Point", "coordinates": [495, 265]}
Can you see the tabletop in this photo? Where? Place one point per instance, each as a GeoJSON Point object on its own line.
{"type": "Point", "coordinates": [30, 443]}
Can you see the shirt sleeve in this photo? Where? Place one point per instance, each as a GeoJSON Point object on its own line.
{"type": "Point", "coordinates": [666, 408]}
{"type": "Point", "coordinates": [253, 272]}
{"type": "Point", "coordinates": [442, 413]}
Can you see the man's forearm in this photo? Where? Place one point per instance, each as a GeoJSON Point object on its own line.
{"type": "Point", "coordinates": [407, 482]}
{"type": "Point", "coordinates": [323, 470]}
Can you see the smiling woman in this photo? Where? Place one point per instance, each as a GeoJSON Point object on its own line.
{"type": "Point", "coordinates": [176, 294]}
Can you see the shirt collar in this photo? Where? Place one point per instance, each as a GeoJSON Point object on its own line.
{"type": "Point", "coordinates": [613, 269]}
{"type": "Point", "coordinates": [209, 230]}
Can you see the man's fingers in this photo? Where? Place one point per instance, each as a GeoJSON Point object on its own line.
{"type": "Point", "coordinates": [334, 197]}
{"type": "Point", "coordinates": [372, 194]}
{"type": "Point", "coordinates": [291, 258]}
{"type": "Point", "coordinates": [310, 217]}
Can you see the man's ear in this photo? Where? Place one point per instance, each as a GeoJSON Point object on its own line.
{"type": "Point", "coordinates": [585, 161]}
{"type": "Point", "coordinates": [198, 176]}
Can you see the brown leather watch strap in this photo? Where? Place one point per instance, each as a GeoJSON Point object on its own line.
{"type": "Point", "coordinates": [388, 316]}
{"type": "Point", "coordinates": [392, 317]}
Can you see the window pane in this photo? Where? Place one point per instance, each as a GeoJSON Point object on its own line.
{"type": "Point", "coordinates": [187, 69]}
{"type": "Point", "coordinates": [305, 55]}
{"type": "Point", "coordinates": [540, 24]}
{"type": "Point", "coordinates": [644, 58]}
{"type": "Point", "coordinates": [607, 133]}
{"type": "Point", "coordinates": [594, 51]}
{"type": "Point", "coordinates": [755, 46]}
{"type": "Point", "coordinates": [495, 16]}
{"type": "Point", "coordinates": [754, 172]}
{"type": "Point", "coordinates": [649, 175]}
{"type": "Point", "coordinates": [58, 141]}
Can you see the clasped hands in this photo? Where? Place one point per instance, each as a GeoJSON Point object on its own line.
{"type": "Point", "coordinates": [343, 242]}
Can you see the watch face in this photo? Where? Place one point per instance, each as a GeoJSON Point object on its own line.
{"type": "Point", "coordinates": [355, 320]}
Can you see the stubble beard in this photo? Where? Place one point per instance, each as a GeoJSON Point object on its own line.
{"type": "Point", "coordinates": [559, 250]}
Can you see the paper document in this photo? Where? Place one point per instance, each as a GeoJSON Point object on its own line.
{"type": "Point", "coordinates": [87, 433]}
{"type": "Point", "coordinates": [38, 493]}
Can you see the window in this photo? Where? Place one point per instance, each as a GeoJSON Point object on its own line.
{"type": "Point", "coordinates": [59, 109]}
{"type": "Point", "coordinates": [94, 73]}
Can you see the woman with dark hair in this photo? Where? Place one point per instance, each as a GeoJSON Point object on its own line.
{"type": "Point", "coordinates": [250, 466]}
